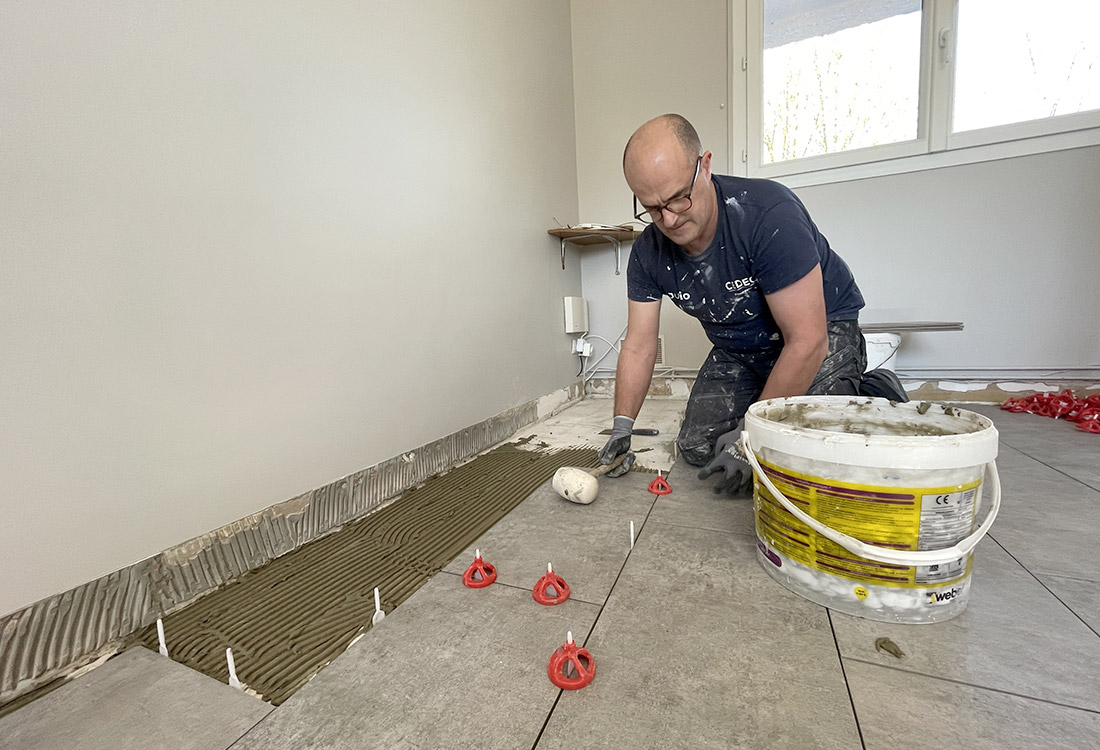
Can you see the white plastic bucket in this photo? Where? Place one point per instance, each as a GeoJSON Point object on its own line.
{"type": "Point", "coordinates": [868, 506]}
{"type": "Point", "coordinates": [882, 350]}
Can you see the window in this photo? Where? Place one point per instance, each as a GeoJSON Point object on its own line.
{"type": "Point", "coordinates": [1015, 63]}
{"type": "Point", "coordinates": [833, 84]}
{"type": "Point", "coordinates": [838, 81]}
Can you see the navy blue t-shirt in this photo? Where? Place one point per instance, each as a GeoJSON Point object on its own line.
{"type": "Point", "coordinates": [765, 241]}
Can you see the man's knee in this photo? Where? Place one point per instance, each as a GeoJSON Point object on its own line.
{"type": "Point", "coordinates": [696, 454]}
{"type": "Point", "coordinates": [842, 369]}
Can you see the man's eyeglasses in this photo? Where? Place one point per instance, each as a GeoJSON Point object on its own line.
{"type": "Point", "coordinates": [650, 214]}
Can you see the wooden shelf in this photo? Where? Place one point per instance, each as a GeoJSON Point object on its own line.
{"type": "Point", "coordinates": [595, 236]}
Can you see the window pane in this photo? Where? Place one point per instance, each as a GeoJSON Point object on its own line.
{"type": "Point", "coordinates": [838, 75]}
{"type": "Point", "coordinates": [1018, 60]}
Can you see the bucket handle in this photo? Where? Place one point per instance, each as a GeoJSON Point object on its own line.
{"type": "Point", "coordinates": [883, 554]}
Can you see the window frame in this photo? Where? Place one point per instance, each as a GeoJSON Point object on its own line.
{"type": "Point", "coordinates": [935, 145]}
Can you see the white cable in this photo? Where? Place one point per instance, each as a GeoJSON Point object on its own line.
{"type": "Point", "coordinates": [612, 348]}
{"type": "Point", "coordinates": [595, 366]}
{"type": "Point", "coordinates": [601, 338]}
{"type": "Point", "coordinates": [893, 351]}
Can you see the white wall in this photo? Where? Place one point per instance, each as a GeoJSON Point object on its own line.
{"type": "Point", "coordinates": [249, 248]}
{"type": "Point", "coordinates": [633, 61]}
{"type": "Point", "coordinates": [1011, 248]}
{"type": "Point", "coordinates": [1008, 247]}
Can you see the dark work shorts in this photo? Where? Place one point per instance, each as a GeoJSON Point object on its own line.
{"type": "Point", "coordinates": [729, 382]}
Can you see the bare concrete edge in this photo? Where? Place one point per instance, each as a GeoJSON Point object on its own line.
{"type": "Point", "coordinates": [59, 636]}
{"type": "Point", "coordinates": [992, 392]}
{"type": "Point", "coordinates": [955, 391]}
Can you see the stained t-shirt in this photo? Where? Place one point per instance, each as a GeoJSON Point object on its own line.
{"type": "Point", "coordinates": [765, 241]}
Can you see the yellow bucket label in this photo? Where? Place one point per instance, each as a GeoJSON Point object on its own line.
{"type": "Point", "coordinates": [895, 517]}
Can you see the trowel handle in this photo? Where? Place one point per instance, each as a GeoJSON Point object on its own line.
{"type": "Point", "coordinates": [599, 471]}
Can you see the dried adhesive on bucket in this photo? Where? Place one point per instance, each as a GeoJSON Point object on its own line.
{"type": "Point", "coordinates": [896, 517]}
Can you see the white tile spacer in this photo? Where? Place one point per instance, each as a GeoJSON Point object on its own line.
{"type": "Point", "coordinates": [160, 638]}
{"type": "Point", "coordinates": [379, 615]}
{"type": "Point", "coordinates": [233, 681]}
{"type": "Point", "coordinates": [549, 568]}
{"type": "Point", "coordinates": [568, 636]}
{"type": "Point", "coordinates": [477, 554]}
{"type": "Point", "coordinates": [632, 532]}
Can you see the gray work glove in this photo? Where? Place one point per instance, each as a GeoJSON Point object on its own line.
{"type": "Point", "coordinates": [617, 445]}
{"type": "Point", "coordinates": [728, 458]}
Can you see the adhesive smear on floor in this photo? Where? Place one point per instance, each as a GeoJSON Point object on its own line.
{"type": "Point", "coordinates": [291, 617]}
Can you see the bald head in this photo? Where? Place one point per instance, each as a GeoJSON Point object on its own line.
{"type": "Point", "coordinates": [664, 166]}
{"type": "Point", "coordinates": [668, 137]}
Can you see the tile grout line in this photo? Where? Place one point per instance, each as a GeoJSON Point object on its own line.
{"type": "Point", "coordinates": [1063, 575]}
{"type": "Point", "coordinates": [1052, 468]}
{"type": "Point", "coordinates": [1002, 691]}
{"type": "Point", "coordinates": [527, 589]}
{"type": "Point", "coordinates": [844, 674]}
{"type": "Point", "coordinates": [595, 621]}
{"type": "Point", "coordinates": [637, 536]}
{"type": "Point", "coordinates": [248, 731]}
{"type": "Point", "coordinates": [546, 722]}
{"type": "Point", "coordinates": [751, 534]}
{"type": "Point", "coordinates": [1040, 582]}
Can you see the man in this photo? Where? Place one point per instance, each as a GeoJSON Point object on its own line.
{"type": "Point", "coordinates": [744, 257]}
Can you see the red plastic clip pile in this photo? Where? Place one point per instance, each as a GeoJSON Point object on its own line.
{"type": "Point", "coordinates": [1065, 405]}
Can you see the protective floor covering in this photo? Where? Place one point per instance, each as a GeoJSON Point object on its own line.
{"type": "Point", "coordinates": [288, 619]}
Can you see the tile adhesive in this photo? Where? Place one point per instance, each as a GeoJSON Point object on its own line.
{"type": "Point", "coordinates": [868, 506]}
{"type": "Point", "coordinates": [286, 620]}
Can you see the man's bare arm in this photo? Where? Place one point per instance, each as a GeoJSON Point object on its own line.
{"type": "Point", "coordinates": [639, 352]}
{"type": "Point", "coordinates": [799, 311]}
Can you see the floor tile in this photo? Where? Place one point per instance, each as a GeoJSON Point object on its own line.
{"type": "Point", "coordinates": [586, 544]}
{"type": "Point", "coordinates": [693, 502]}
{"type": "Point", "coordinates": [1048, 521]}
{"type": "Point", "coordinates": [1082, 597]}
{"type": "Point", "coordinates": [902, 711]}
{"type": "Point", "coordinates": [139, 699]}
{"type": "Point", "coordinates": [1014, 636]}
{"type": "Point", "coordinates": [698, 648]}
{"type": "Point", "coordinates": [451, 667]}
{"type": "Point", "coordinates": [1054, 442]}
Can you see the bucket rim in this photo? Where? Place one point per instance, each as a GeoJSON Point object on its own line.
{"type": "Point", "coordinates": [954, 450]}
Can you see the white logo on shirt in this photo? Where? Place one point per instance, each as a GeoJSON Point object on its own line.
{"type": "Point", "coordinates": [736, 286]}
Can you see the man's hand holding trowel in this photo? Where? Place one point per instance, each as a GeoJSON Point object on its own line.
{"type": "Point", "coordinates": [619, 445]}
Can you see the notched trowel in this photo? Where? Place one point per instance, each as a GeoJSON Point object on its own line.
{"type": "Point", "coordinates": [581, 485]}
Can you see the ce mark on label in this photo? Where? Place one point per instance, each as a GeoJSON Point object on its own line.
{"type": "Point", "coordinates": [946, 501]}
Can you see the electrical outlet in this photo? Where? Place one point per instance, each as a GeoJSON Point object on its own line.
{"type": "Point", "coordinates": [578, 345]}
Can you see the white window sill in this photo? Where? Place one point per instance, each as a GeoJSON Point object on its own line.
{"type": "Point", "coordinates": [901, 165]}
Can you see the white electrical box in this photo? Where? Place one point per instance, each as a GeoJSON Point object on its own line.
{"type": "Point", "coordinates": [576, 315]}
